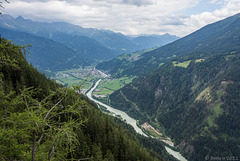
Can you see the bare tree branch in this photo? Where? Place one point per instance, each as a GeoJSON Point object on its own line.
{"type": "Point", "coordinates": [51, 152]}
{"type": "Point", "coordinates": [53, 108]}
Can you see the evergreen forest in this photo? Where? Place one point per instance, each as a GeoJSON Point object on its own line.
{"type": "Point", "coordinates": [41, 120]}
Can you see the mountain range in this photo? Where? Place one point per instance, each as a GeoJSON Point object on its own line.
{"type": "Point", "coordinates": [191, 89]}
{"type": "Point", "coordinates": [214, 38]}
{"type": "Point", "coordinates": [46, 54]}
{"type": "Point", "coordinates": [89, 44]}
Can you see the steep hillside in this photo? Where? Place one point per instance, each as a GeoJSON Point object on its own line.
{"type": "Point", "coordinates": [195, 98]}
{"type": "Point", "coordinates": [222, 36]}
{"type": "Point", "coordinates": [41, 120]}
{"type": "Point", "coordinates": [46, 54]}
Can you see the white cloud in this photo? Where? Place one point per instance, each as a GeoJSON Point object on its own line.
{"type": "Point", "coordinates": [126, 16]}
{"type": "Point", "coordinates": [195, 22]}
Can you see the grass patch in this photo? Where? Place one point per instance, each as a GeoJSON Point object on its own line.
{"type": "Point", "coordinates": [108, 86]}
{"type": "Point", "coordinates": [103, 91]}
{"type": "Point", "coordinates": [199, 60]}
{"type": "Point", "coordinates": [205, 95]}
{"type": "Point", "coordinates": [86, 85]}
{"type": "Point", "coordinates": [72, 81]}
{"type": "Point", "coordinates": [184, 64]}
{"type": "Point", "coordinates": [153, 133]}
{"type": "Point", "coordinates": [116, 84]}
{"type": "Point", "coordinates": [217, 110]}
{"type": "Point", "coordinates": [156, 125]}
{"type": "Point", "coordinates": [103, 100]}
{"type": "Point", "coordinates": [160, 64]}
{"type": "Point", "coordinates": [215, 113]}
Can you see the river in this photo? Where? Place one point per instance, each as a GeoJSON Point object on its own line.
{"type": "Point", "coordinates": [129, 120]}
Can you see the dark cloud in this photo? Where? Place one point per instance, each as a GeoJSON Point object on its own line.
{"type": "Point", "coordinates": [138, 2]}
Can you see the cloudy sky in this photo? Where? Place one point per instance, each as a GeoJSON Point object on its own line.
{"type": "Point", "coordinates": [132, 17]}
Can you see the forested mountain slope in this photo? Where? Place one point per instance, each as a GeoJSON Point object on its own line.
{"type": "Point", "coordinates": [46, 54]}
{"type": "Point", "coordinates": [90, 49]}
{"type": "Point", "coordinates": [222, 36]}
{"type": "Point", "coordinates": [41, 120]}
{"type": "Point", "coordinates": [195, 98]}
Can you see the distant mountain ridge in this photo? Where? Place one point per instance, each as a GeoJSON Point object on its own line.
{"type": "Point", "coordinates": [150, 41]}
{"type": "Point", "coordinates": [89, 44]}
{"type": "Point", "coordinates": [89, 50]}
{"type": "Point", "coordinates": [117, 42]}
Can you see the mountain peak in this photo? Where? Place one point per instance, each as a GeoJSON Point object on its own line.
{"type": "Point", "coordinates": [20, 18]}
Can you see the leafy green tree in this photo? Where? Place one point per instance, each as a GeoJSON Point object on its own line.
{"type": "Point", "coordinates": [46, 125]}
{"type": "Point", "coordinates": [37, 123]}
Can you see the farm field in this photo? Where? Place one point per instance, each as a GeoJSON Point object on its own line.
{"type": "Point", "coordinates": [108, 86]}
{"type": "Point", "coordinates": [85, 77]}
